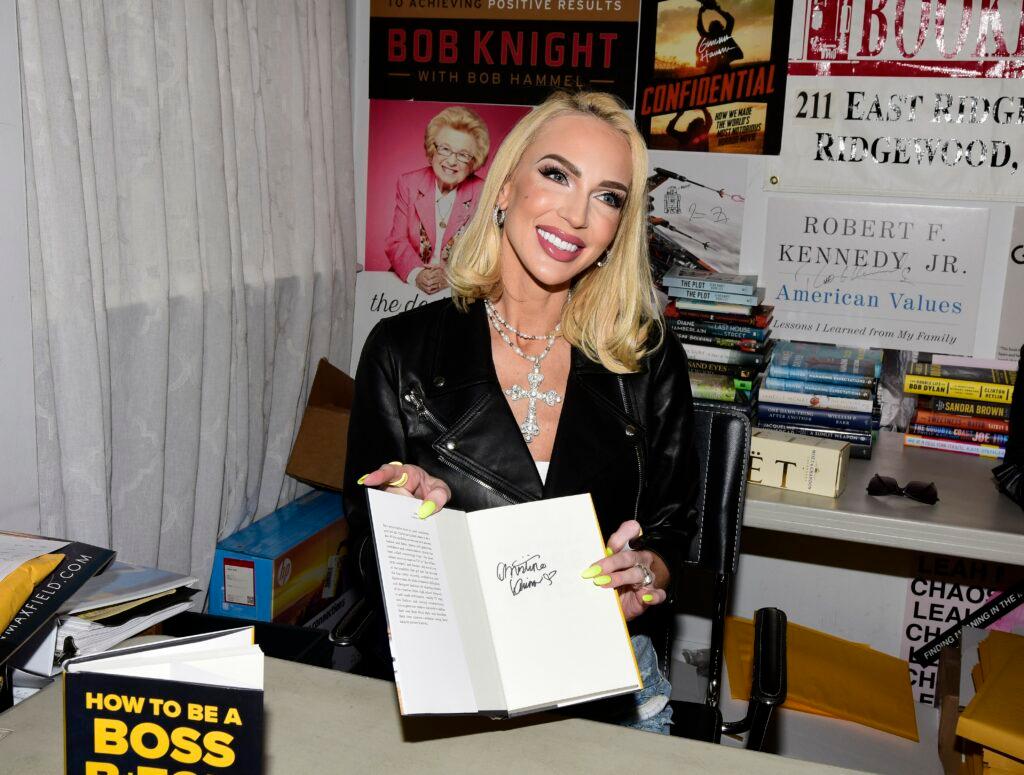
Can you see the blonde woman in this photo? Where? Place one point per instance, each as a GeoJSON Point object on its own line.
{"type": "Point", "coordinates": [433, 204]}
{"type": "Point", "coordinates": [550, 287]}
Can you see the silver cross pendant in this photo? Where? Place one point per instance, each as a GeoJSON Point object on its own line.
{"type": "Point", "coordinates": [529, 426]}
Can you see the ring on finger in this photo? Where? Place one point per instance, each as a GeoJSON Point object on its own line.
{"type": "Point", "coordinates": [648, 575]}
{"type": "Point", "coordinates": [400, 480]}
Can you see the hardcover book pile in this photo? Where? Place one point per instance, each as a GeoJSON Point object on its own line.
{"type": "Point", "coordinates": [724, 328]}
{"type": "Point", "coordinates": [960, 408]}
{"type": "Point", "coordinates": [824, 391]}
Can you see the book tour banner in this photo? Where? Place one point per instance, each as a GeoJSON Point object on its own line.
{"type": "Point", "coordinates": [712, 74]}
{"type": "Point", "coordinates": [501, 51]}
{"type": "Point", "coordinates": [913, 98]}
{"type": "Point", "coordinates": [873, 275]}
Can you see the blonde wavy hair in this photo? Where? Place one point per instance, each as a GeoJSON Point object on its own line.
{"type": "Point", "coordinates": [613, 316]}
{"type": "Point", "coordinates": [463, 120]}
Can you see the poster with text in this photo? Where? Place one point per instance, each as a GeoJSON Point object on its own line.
{"type": "Point", "coordinates": [898, 276]}
{"type": "Point", "coordinates": [712, 74]}
{"type": "Point", "coordinates": [501, 51]}
{"type": "Point", "coordinates": [426, 167]}
{"type": "Point", "coordinates": [912, 98]}
{"type": "Point", "coordinates": [944, 591]}
{"type": "Point", "coordinates": [696, 211]}
{"type": "Point", "coordinates": [1011, 324]}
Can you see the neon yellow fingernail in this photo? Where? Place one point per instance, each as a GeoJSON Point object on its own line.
{"type": "Point", "coordinates": [648, 598]}
{"type": "Point", "coordinates": [592, 571]}
{"type": "Point", "coordinates": [395, 463]}
{"type": "Point", "coordinates": [400, 480]}
{"type": "Point", "coordinates": [608, 552]}
{"type": "Point", "coordinates": [361, 479]}
{"type": "Point", "coordinates": [426, 509]}
{"type": "Point", "coordinates": [600, 581]}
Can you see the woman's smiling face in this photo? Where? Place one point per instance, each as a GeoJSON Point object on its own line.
{"type": "Point", "coordinates": [564, 199]}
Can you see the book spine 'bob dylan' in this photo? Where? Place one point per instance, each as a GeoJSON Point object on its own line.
{"type": "Point", "coordinates": [955, 388]}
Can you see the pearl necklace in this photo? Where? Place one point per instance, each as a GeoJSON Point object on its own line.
{"type": "Point", "coordinates": [528, 426]}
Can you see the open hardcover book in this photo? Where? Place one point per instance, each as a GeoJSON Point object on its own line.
{"type": "Point", "coordinates": [487, 611]}
{"type": "Point", "coordinates": [185, 705]}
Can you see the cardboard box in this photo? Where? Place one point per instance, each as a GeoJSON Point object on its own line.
{"type": "Point", "coordinates": [287, 567]}
{"type": "Point", "coordinates": [318, 455]}
{"type": "Point", "coordinates": [801, 463]}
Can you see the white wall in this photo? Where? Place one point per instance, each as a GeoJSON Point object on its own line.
{"type": "Point", "coordinates": [19, 492]}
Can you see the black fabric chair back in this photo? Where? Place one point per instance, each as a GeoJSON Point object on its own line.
{"type": "Point", "coordinates": [722, 437]}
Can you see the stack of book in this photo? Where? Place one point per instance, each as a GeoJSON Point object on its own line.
{"type": "Point", "coordinates": [960, 408]}
{"type": "Point", "coordinates": [825, 391]}
{"type": "Point", "coordinates": [724, 328]}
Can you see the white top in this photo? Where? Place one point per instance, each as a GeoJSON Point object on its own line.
{"type": "Point", "coordinates": [542, 468]}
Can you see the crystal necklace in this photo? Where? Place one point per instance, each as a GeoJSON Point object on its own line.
{"type": "Point", "coordinates": [528, 426]}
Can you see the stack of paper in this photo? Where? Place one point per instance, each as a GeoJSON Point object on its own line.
{"type": "Point", "coordinates": [994, 718]}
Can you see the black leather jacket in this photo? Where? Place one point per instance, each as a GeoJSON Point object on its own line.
{"type": "Point", "coordinates": [427, 393]}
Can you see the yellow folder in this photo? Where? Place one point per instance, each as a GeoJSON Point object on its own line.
{"type": "Point", "coordinates": [831, 677]}
{"type": "Point", "coordinates": [995, 716]}
{"type": "Point", "coordinates": [18, 585]}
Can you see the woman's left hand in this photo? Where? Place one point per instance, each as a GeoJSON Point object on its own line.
{"type": "Point", "coordinates": [619, 571]}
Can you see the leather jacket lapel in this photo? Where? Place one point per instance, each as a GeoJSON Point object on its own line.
{"type": "Point", "coordinates": [480, 436]}
{"type": "Point", "coordinates": [594, 430]}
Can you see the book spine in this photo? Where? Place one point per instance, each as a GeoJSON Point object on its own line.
{"type": "Point", "coordinates": [964, 407]}
{"type": "Point", "coordinates": [819, 375]}
{"type": "Point", "coordinates": [719, 329]}
{"type": "Point", "coordinates": [822, 433]}
{"type": "Point", "coordinates": [767, 412]}
{"type": "Point", "coordinates": [960, 434]}
{"type": "Point", "coordinates": [715, 307]}
{"type": "Point", "coordinates": [718, 297]}
{"type": "Point", "coordinates": [816, 388]}
{"type": "Point", "coordinates": [747, 289]}
{"type": "Point", "coordinates": [745, 345]}
{"type": "Point", "coordinates": [734, 370]}
{"type": "Point", "coordinates": [706, 392]}
{"type": "Point", "coordinates": [722, 355]}
{"type": "Point", "coordinates": [960, 421]}
{"type": "Point", "coordinates": [967, 448]}
{"type": "Point", "coordinates": [957, 388]}
{"type": "Point", "coordinates": [964, 373]}
{"type": "Point", "coordinates": [816, 401]}
{"type": "Point", "coordinates": [758, 319]}
{"type": "Point", "coordinates": [792, 359]}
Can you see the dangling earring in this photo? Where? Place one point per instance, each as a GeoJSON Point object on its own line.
{"type": "Point", "coordinates": [603, 259]}
{"type": "Point", "coordinates": [499, 217]}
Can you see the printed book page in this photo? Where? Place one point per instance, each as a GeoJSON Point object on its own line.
{"type": "Point", "coordinates": [559, 639]}
{"type": "Point", "coordinates": [229, 659]}
{"type": "Point", "coordinates": [432, 672]}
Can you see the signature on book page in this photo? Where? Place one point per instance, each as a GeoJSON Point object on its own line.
{"type": "Point", "coordinates": [529, 573]}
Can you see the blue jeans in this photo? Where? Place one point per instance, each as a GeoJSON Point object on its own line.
{"type": "Point", "coordinates": [647, 709]}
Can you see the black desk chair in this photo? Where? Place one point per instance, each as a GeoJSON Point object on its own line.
{"type": "Point", "coordinates": [722, 437]}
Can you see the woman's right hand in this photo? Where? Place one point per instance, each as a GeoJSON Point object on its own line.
{"type": "Point", "coordinates": [410, 480]}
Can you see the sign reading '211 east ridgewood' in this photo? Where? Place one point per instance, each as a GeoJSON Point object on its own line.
{"type": "Point", "coordinates": [916, 97]}
{"type": "Point", "coordinates": [904, 277]}
{"type": "Point", "coordinates": [504, 52]}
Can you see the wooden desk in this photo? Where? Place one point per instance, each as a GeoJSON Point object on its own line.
{"type": "Point", "coordinates": [972, 519]}
{"type": "Point", "coordinates": [324, 721]}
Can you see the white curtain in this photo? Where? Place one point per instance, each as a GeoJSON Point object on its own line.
{"type": "Point", "coordinates": [191, 235]}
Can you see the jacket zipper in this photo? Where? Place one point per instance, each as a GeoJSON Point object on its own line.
{"type": "Point", "coordinates": [421, 409]}
{"type": "Point", "coordinates": [636, 449]}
